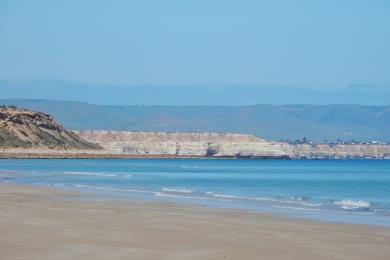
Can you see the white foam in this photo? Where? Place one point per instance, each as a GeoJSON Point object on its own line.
{"type": "Point", "coordinates": [301, 201]}
{"type": "Point", "coordinates": [226, 196]}
{"type": "Point", "coordinates": [295, 208]}
{"type": "Point", "coordinates": [161, 194]}
{"type": "Point", "coordinates": [83, 186]}
{"type": "Point", "coordinates": [264, 199]}
{"type": "Point", "coordinates": [108, 188]}
{"type": "Point", "coordinates": [353, 204]}
{"type": "Point", "coordinates": [121, 190]}
{"type": "Point", "coordinates": [177, 190]}
{"type": "Point", "coordinates": [92, 174]}
{"type": "Point", "coordinates": [311, 204]}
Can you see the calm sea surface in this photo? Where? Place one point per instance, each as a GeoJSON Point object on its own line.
{"type": "Point", "coordinates": [354, 191]}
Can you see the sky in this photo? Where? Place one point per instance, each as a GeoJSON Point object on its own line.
{"type": "Point", "coordinates": [312, 43]}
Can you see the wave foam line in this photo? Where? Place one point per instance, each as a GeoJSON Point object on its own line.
{"type": "Point", "coordinates": [353, 204]}
{"type": "Point", "coordinates": [92, 174]}
{"type": "Point", "coordinates": [177, 190]}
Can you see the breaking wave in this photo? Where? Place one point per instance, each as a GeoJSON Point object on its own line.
{"type": "Point", "coordinates": [96, 174]}
{"type": "Point", "coordinates": [353, 204]}
{"type": "Point", "coordinates": [177, 190]}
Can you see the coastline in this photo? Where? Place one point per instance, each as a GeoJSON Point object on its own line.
{"type": "Point", "coordinates": [39, 153]}
{"type": "Point", "coordinates": [38, 222]}
{"type": "Point", "coordinates": [102, 154]}
{"type": "Point", "coordinates": [48, 153]}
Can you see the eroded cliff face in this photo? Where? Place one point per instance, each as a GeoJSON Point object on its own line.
{"type": "Point", "coordinates": [27, 129]}
{"type": "Point", "coordinates": [220, 145]}
{"type": "Point", "coordinates": [184, 144]}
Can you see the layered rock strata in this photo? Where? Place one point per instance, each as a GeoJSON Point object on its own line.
{"type": "Point", "coordinates": [223, 145]}
{"type": "Point", "coordinates": [184, 144]}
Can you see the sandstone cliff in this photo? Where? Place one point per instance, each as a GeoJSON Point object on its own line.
{"type": "Point", "coordinates": [184, 144]}
{"type": "Point", "coordinates": [222, 145]}
{"type": "Point", "coordinates": [27, 129]}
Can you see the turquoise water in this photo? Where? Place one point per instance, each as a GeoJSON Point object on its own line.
{"type": "Point", "coordinates": [354, 191]}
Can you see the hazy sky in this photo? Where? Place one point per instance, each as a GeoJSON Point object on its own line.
{"type": "Point", "coordinates": [309, 43]}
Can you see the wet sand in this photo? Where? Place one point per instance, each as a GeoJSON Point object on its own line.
{"type": "Point", "coordinates": [43, 223]}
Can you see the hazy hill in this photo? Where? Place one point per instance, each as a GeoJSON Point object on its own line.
{"type": "Point", "coordinates": [24, 128]}
{"type": "Point", "coordinates": [193, 95]}
{"type": "Point", "coordinates": [316, 122]}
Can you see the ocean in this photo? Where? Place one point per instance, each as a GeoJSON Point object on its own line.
{"type": "Point", "coordinates": [350, 191]}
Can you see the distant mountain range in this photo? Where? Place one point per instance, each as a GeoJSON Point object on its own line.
{"type": "Point", "coordinates": [275, 122]}
{"type": "Point", "coordinates": [194, 95]}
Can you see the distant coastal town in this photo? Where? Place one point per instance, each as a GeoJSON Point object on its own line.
{"type": "Point", "coordinates": [305, 140]}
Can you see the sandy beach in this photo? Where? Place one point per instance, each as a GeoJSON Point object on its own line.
{"type": "Point", "coordinates": [42, 223]}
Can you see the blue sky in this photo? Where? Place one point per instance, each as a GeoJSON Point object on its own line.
{"type": "Point", "coordinates": [315, 44]}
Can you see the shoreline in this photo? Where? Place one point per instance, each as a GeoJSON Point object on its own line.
{"type": "Point", "coordinates": [116, 195]}
{"type": "Point", "coordinates": [39, 222]}
{"type": "Point", "coordinates": [130, 156]}
{"type": "Point", "coordinates": [63, 154]}
{"type": "Point", "coordinates": [107, 154]}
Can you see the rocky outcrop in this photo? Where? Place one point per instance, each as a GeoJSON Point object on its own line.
{"type": "Point", "coordinates": [222, 145]}
{"type": "Point", "coordinates": [27, 129]}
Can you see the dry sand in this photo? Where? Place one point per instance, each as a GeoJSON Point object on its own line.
{"type": "Point", "coordinates": [41, 223]}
